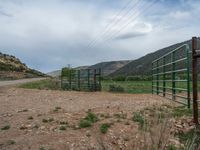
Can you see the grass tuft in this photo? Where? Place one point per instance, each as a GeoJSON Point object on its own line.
{"type": "Point", "coordinates": [7, 127]}
{"type": "Point", "coordinates": [104, 128]}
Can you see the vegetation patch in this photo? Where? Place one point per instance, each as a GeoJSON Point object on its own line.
{"type": "Point", "coordinates": [48, 84]}
{"type": "Point", "coordinates": [116, 88]}
{"type": "Point", "coordinates": [7, 127]}
{"type": "Point", "coordinates": [30, 118]}
{"type": "Point", "coordinates": [63, 128]}
{"type": "Point", "coordinates": [104, 128]}
{"type": "Point", "coordinates": [47, 120]}
{"type": "Point", "coordinates": [138, 117]}
{"type": "Point", "coordinates": [88, 120]}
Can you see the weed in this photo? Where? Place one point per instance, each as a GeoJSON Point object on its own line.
{"type": "Point", "coordinates": [57, 109]}
{"type": "Point", "coordinates": [181, 111]}
{"type": "Point", "coordinates": [11, 142]}
{"type": "Point", "coordinates": [137, 117]}
{"type": "Point", "coordinates": [30, 118]}
{"type": "Point", "coordinates": [62, 128]}
{"type": "Point", "coordinates": [104, 128]}
{"type": "Point", "coordinates": [171, 147]}
{"type": "Point", "coordinates": [42, 148]}
{"type": "Point", "coordinates": [91, 117]}
{"type": "Point", "coordinates": [7, 127]}
{"type": "Point", "coordinates": [47, 120]}
{"type": "Point", "coordinates": [116, 88]}
{"type": "Point", "coordinates": [63, 122]}
{"type": "Point", "coordinates": [44, 120]}
{"type": "Point", "coordinates": [85, 123]}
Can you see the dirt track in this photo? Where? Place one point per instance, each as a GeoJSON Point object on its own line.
{"type": "Point", "coordinates": [17, 105]}
{"type": "Point", "coordinates": [14, 82]}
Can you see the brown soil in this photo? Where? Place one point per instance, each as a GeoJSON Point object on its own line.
{"type": "Point", "coordinates": [17, 105]}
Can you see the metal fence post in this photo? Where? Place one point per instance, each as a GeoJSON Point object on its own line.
{"type": "Point", "coordinates": [188, 75]}
{"type": "Point", "coordinates": [70, 79]}
{"type": "Point", "coordinates": [173, 76]}
{"type": "Point", "coordinates": [164, 77]}
{"type": "Point", "coordinates": [88, 78]}
{"type": "Point", "coordinates": [194, 80]}
{"type": "Point", "coordinates": [100, 79]}
{"type": "Point", "coordinates": [152, 84]}
{"type": "Point", "coordinates": [95, 81]}
{"type": "Point", "coordinates": [157, 78]}
{"type": "Point", "coordinates": [79, 83]}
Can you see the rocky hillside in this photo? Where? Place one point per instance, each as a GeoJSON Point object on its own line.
{"type": "Point", "coordinates": [12, 68]}
{"type": "Point", "coordinates": [142, 66]}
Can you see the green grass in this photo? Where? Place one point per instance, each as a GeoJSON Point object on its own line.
{"type": "Point", "coordinates": [129, 86]}
{"type": "Point", "coordinates": [48, 84]}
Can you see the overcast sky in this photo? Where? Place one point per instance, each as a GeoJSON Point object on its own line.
{"type": "Point", "coordinates": [49, 34]}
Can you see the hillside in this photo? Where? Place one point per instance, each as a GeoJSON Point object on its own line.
{"type": "Point", "coordinates": [12, 68]}
{"type": "Point", "coordinates": [142, 66]}
{"type": "Point", "coordinates": [109, 67]}
{"type": "Point", "coordinates": [106, 67]}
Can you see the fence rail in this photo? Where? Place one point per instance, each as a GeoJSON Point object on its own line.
{"type": "Point", "coordinates": [166, 70]}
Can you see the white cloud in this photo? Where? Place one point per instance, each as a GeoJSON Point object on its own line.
{"type": "Point", "coordinates": [50, 34]}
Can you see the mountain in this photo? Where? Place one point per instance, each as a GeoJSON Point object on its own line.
{"type": "Point", "coordinates": [142, 66]}
{"type": "Point", "coordinates": [106, 67]}
{"type": "Point", "coordinates": [12, 68]}
{"type": "Point", "coordinates": [109, 67]}
{"type": "Point", "coordinates": [57, 73]}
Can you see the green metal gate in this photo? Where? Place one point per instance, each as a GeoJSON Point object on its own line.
{"type": "Point", "coordinates": [171, 75]}
{"type": "Point", "coordinates": [81, 80]}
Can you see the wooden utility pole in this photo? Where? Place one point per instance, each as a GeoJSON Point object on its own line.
{"type": "Point", "coordinates": [194, 80]}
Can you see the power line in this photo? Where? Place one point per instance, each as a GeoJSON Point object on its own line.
{"type": "Point", "coordinates": [130, 21]}
{"type": "Point", "coordinates": [129, 12]}
{"type": "Point", "coordinates": [117, 14]}
{"type": "Point", "coordinates": [115, 21]}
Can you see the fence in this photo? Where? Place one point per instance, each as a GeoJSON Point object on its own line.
{"type": "Point", "coordinates": [171, 75]}
{"type": "Point", "coordinates": [81, 80]}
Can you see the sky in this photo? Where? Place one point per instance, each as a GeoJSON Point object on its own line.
{"type": "Point", "coordinates": [50, 34]}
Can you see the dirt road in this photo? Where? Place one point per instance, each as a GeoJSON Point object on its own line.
{"type": "Point", "coordinates": [34, 119]}
{"type": "Point", "coordinates": [14, 82]}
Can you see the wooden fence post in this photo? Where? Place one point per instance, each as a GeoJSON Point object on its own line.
{"type": "Point", "coordinates": [194, 80]}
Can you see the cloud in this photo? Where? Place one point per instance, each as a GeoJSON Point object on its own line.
{"type": "Point", "coordinates": [50, 34]}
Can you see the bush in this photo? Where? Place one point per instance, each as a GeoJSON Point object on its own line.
{"type": "Point", "coordinates": [85, 123]}
{"type": "Point", "coordinates": [91, 117]}
{"type": "Point", "coordinates": [88, 120]}
{"type": "Point", "coordinates": [104, 128]}
{"type": "Point", "coordinates": [119, 78]}
{"type": "Point", "coordinates": [137, 117]}
{"type": "Point", "coordinates": [116, 88]}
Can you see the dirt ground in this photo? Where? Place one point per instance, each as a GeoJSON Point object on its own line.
{"type": "Point", "coordinates": [25, 110]}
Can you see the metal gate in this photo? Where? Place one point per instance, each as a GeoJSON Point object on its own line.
{"type": "Point", "coordinates": [171, 75]}
{"type": "Point", "coordinates": [81, 80]}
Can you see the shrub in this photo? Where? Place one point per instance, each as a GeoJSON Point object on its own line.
{"type": "Point", "coordinates": [88, 120]}
{"type": "Point", "coordinates": [119, 78]}
{"type": "Point", "coordinates": [7, 127]}
{"type": "Point", "coordinates": [116, 88]}
{"type": "Point", "coordinates": [137, 117]}
{"type": "Point", "coordinates": [91, 117]}
{"type": "Point", "coordinates": [85, 123]}
{"type": "Point", "coordinates": [104, 128]}
{"type": "Point", "coordinates": [62, 128]}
